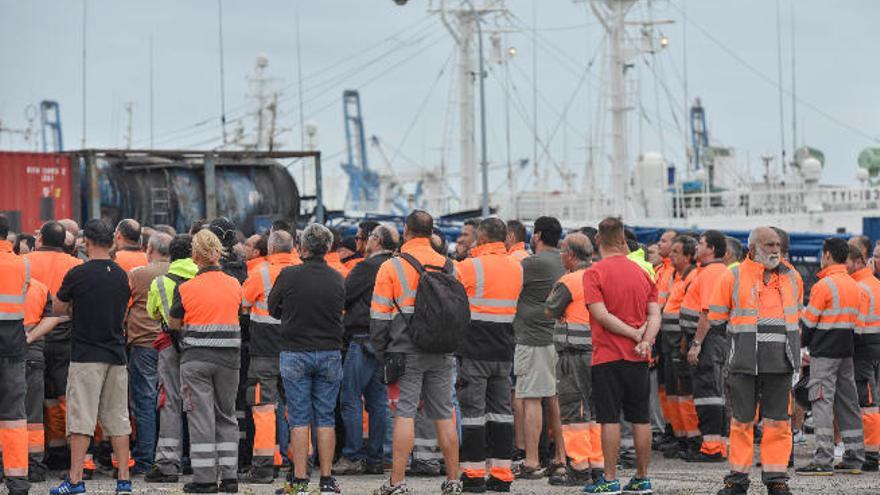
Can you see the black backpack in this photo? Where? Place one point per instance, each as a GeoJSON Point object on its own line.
{"type": "Point", "coordinates": [442, 312]}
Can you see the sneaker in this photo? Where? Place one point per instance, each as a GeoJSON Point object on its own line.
{"type": "Point", "coordinates": [68, 488]}
{"type": "Point", "coordinates": [296, 487]}
{"type": "Point", "coordinates": [451, 487]}
{"type": "Point", "coordinates": [778, 488]}
{"type": "Point", "coordinates": [799, 438]}
{"type": "Point", "coordinates": [473, 485]}
{"type": "Point", "coordinates": [571, 477]}
{"type": "Point", "coordinates": [200, 488]}
{"type": "Point", "coordinates": [123, 487]}
{"type": "Point", "coordinates": [229, 485]}
{"type": "Point", "coordinates": [839, 450]}
{"type": "Point", "coordinates": [701, 456]}
{"type": "Point", "coordinates": [388, 489]}
{"type": "Point", "coordinates": [156, 476]}
{"type": "Point", "coordinates": [329, 485]}
{"type": "Point", "coordinates": [813, 469]}
{"type": "Point", "coordinates": [733, 489]}
{"type": "Point", "coordinates": [603, 486]}
{"type": "Point", "coordinates": [844, 468]}
{"type": "Point", "coordinates": [493, 484]}
{"type": "Point", "coordinates": [348, 466]}
{"type": "Point", "coordinates": [530, 473]}
{"type": "Point", "coordinates": [638, 486]}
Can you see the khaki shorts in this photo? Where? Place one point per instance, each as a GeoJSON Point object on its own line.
{"type": "Point", "coordinates": [97, 392]}
{"type": "Point", "coordinates": [535, 371]}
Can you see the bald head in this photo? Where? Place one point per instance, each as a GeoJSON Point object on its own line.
{"type": "Point", "coordinates": [128, 233]}
{"type": "Point", "coordinates": [576, 251]}
{"type": "Point", "coordinates": [70, 226]}
{"type": "Point", "coordinates": [765, 247]}
{"type": "Point", "coordinates": [383, 238]}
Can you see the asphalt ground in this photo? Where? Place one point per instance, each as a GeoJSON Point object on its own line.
{"type": "Point", "coordinates": [668, 477]}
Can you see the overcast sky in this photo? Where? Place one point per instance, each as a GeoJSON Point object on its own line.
{"type": "Point", "coordinates": [402, 60]}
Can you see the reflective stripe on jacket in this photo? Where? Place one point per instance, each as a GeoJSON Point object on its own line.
{"type": "Point", "coordinates": [265, 331]}
{"type": "Point", "coordinates": [572, 331]}
{"type": "Point", "coordinates": [665, 281]}
{"type": "Point", "coordinates": [867, 338]}
{"type": "Point", "coordinates": [829, 321]}
{"type": "Point", "coordinates": [699, 293]}
{"type": "Point", "coordinates": [761, 319]}
{"type": "Point", "coordinates": [211, 301]}
{"type": "Point", "coordinates": [493, 282]}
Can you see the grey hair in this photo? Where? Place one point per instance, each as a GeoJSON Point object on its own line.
{"type": "Point", "coordinates": [734, 247]}
{"type": "Point", "coordinates": [579, 245]}
{"type": "Point", "coordinates": [386, 238]}
{"type": "Point", "coordinates": [316, 239]}
{"type": "Point", "coordinates": [160, 243]}
{"type": "Point", "coordinates": [280, 242]}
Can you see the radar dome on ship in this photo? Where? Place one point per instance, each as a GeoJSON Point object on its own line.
{"type": "Point", "coordinates": [811, 168]}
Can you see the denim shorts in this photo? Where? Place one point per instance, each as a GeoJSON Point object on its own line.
{"type": "Point", "coordinates": [311, 384]}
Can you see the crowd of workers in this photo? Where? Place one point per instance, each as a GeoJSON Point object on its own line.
{"type": "Point", "coordinates": [232, 358]}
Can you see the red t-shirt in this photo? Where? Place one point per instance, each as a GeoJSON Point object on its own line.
{"type": "Point", "coordinates": [626, 290]}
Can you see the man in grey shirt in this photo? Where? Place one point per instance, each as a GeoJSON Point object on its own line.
{"type": "Point", "coordinates": [534, 362]}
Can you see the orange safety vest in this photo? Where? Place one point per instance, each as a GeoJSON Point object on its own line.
{"type": "Point", "coordinates": [518, 252]}
{"type": "Point", "coordinates": [15, 276]}
{"type": "Point", "coordinates": [395, 293]}
{"type": "Point", "coordinates": [129, 259]}
{"type": "Point", "coordinates": [492, 281]}
{"type": "Point", "coordinates": [210, 301]}
{"type": "Point", "coordinates": [572, 331]}
{"type": "Point", "coordinates": [830, 319]}
{"type": "Point", "coordinates": [334, 261]}
{"type": "Point", "coordinates": [665, 281]}
{"type": "Point", "coordinates": [670, 325]}
{"type": "Point", "coordinates": [867, 339]}
{"type": "Point", "coordinates": [761, 319]}
{"type": "Point", "coordinates": [35, 303]}
{"type": "Point", "coordinates": [698, 295]}
{"type": "Point", "coordinates": [50, 266]}
{"type": "Point", "coordinates": [259, 285]}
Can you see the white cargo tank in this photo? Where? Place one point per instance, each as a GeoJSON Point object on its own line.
{"type": "Point", "coordinates": [650, 180]}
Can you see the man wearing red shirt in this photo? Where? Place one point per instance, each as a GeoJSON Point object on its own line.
{"type": "Point", "coordinates": [625, 316]}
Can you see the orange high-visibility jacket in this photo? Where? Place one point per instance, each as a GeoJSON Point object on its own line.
{"type": "Point", "coordinates": [699, 293]}
{"type": "Point", "coordinates": [50, 265]}
{"type": "Point", "coordinates": [335, 262]}
{"type": "Point", "coordinates": [493, 281]}
{"type": "Point", "coordinates": [761, 319]}
{"type": "Point", "coordinates": [396, 285]}
{"type": "Point", "coordinates": [264, 330]}
{"type": "Point", "coordinates": [670, 325]}
{"type": "Point", "coordinates": [130, 258]}
{"type": "Point", "coordinates": [867, 339]}
{"type": "Point", "coordinates": [518, 252]}
{"type": "Point", "coordinates": [210, 301]}
{"type": "Point", "coordinates": [36, 301]}
{"type": "Point", "coordinates": [572, 328]}
{"type": "Point", "coordinates": [829, 322]}
{"type": "Point", "coordinates": [15, 276]}
{"type": "Point", "coordinates": [665, 281]}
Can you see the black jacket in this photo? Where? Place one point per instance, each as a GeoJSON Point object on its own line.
{"type": "Point", "coordinates": [359, 293]}
{"type": "Point", "coordinates": [309, 299]}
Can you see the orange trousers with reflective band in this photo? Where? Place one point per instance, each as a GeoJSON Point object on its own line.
{"type": "Point", "coordinates": [56, 422]}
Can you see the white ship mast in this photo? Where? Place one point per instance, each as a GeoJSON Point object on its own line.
{"type": "Point", "coordinates": [461, 21]}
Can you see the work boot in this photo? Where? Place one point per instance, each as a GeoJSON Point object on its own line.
{"type": "Point", "coordinates": [423, 468]}
{"type": "Point", "coordinates": [229, 485]}
{"type": "Point", "coordinates": [571, 477]}
{"type": "Point", "coordinates": [701, 456]}
{"type": "Point", "coordinates": [847, 468]}
{"type": "Point", "coordinates": [473, 485]}
{"type": "Point", "coordinates": [674, 450]}
{"type": "Point", "coordinates": [778, 488]}
{"type": "Point", "coordinates": [731, 488]}
{"type": "Point", "coordinates": [259, 476]}
{"type": "Point", "coordinates": [156, 476]}
{"type": "Point", "coordinates": [813, 469]}
{"type": "Point", "coordinates": [493, 484]}
{"type": "Point", "coordinates": [200, 488]}
{"type": "Point", "coordinates": [870, 465]}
